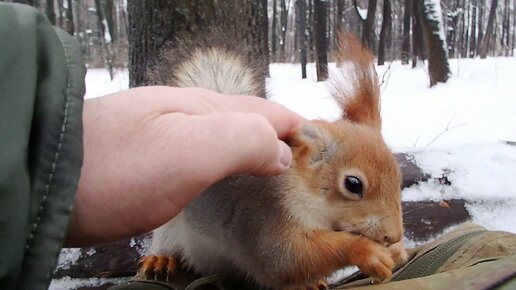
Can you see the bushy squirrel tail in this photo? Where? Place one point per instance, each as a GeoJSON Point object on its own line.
{"type": "Point", "coordinates": [212, 61]}
{"type": "Point", "coordinates": [356, 85]}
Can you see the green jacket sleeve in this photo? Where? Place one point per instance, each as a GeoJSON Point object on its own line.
{"type": "Point", "coordinates": [41, 92]}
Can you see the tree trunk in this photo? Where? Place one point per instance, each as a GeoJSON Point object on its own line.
{"type": "Point", "coordinates": [51, 13]}
{"type": "Point", "coordinates": [467, 21]}
{"type": "Point", "coordinates": [320, 40]}
{"type": "Point", "coordinates": [385, 33]}
{"type": "Point", "coordinates": [431, 23]}
{"type": "Point", "coordinates": [489, 29]}
{"type": "Point", "coordinates": [311, 31]}
{"type": "Point", "coordinates": [418, 45]}
{"type": "Point", "coordinates": [123, 15]}
{"type": "Point", "coordinates": [153, 23]}
{"type": "Point", "coordinates": [451, 36]}
{"type": "Point", "coordinates": [473, 35]}
{"type": "Point", "coordinates": [107, 7]}
{"type": "Point", "coordinates": [368, 26]}
{"type": "Point", "coordinates": [480, 29]}
{"type": "Point", "coordinates": [60, 15]}
{"type": "Point", "coordinates": [283, 28]}
{"type": "Point", "coordinates": [78, 25]}
{"type": "Point", "coordinates": [459, 35]}
{"type": "Point", "coordinates": [274, 36]}
{"type": "Point", "coordinates": [70, 28]}
{"type": "Point", "coordinates": [505, 41]}
{"type": "Point", "coordinates": [405, 48]}
{"type": "Point", "coordinates": [258, 37]}
{"type": "Point", "coordinates": [513, 28]}
{"type": "Point", "coordinates": [301, 34]}
{"type": "Point", "coordinates": [339, 27]}
{"type": "Point", "coordinates": [329, 25]}
{"type": "Point", "coordinates": [105, 44]}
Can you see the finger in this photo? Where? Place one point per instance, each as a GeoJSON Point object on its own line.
{"type": "Point", "coordinates": [198, 101]}
{"type": "Point", "coordinates": [236, 143]}
{"type": "Point", "coordinates": [282, 119]}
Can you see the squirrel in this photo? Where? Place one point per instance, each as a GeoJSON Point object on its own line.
{"type": "Point", "coordinates": [337, 205]}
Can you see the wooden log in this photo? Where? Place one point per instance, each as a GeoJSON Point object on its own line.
{"type": "Point", "coordinates": [412, 174]}
{"type": "Point", "coordinates": [423, 220]}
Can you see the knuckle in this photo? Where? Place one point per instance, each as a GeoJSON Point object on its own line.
{"type": "Point", "coordinates": [255, 126]}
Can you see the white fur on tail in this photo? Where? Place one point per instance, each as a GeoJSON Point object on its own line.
{"type": "Point", "coordinates": [219, 70]}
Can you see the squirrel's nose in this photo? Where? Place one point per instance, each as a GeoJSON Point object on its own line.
{"type": "Point", "coordinates": [392, 239]}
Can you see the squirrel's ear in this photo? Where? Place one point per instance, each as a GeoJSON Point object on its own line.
{"type": "Point", "coordinates": [355, 83]}
{"type": "Point", "coordinates": [311, 143]}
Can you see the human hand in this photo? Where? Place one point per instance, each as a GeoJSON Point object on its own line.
{"type": "Point", "coordinates": [149, 151]}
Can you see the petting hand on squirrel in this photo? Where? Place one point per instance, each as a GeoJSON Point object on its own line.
{"type": "Point", "coordinates": [149, 151]}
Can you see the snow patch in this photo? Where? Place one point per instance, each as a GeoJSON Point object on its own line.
{"type": "Point", "coordinates": [98, 82]}
{"type": "Point", "coordinates": [67, 283]}
{"type": "Point", "coordinates": [362, 13]}
{"type": "Point", "coordinates": [476, 171]}
{"type": "Point", "coordinates": [481, 174]}
{"type": "Point", "coordinates": [68, 257]}
{"type": "Point", "coordinates": [91, 252]}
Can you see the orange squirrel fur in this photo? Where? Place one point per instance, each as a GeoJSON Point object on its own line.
{"type": "Point", "coordinates": [337, 205]}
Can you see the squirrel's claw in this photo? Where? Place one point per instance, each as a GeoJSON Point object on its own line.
{"type": "Point", "coordinates": [374, 260]}
{"type": "Point", "coordinates": [160, 268]}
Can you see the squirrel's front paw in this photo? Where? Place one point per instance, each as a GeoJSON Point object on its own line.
{"type": "Point", "coordinates": [398, 253]}
{"type": "Point", "coordinates": [372, 259]}
{"type": "Point", "coordinates": [157, 267]}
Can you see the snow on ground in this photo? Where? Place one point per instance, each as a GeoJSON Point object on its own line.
{"type": "Point", "coordinates": [67, 283]}
{"type": "Point", "coordinates": [457, 125]}
{"type": "Point", "coordinates": [482, 174]}
{"type": "Point", "coordinates": [98, 82]}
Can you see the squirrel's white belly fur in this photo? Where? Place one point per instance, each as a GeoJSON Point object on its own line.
{"type": "Point", "coordinates": [200, 251]}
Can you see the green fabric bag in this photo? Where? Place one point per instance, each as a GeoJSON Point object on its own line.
{"type": "Point", "coordinates": [469, 257]}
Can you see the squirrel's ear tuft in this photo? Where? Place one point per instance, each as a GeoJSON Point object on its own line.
{"type": "Point", "coordinates": [311, 143]}
{"type": "Point", "coordinates": [355, 83]}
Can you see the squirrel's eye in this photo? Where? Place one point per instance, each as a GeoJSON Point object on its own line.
{"type": "Point", "coordinates": [354, 185]}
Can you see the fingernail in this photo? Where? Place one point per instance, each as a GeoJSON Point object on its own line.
{"type": "Point", "coordinates": [286, 154]}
